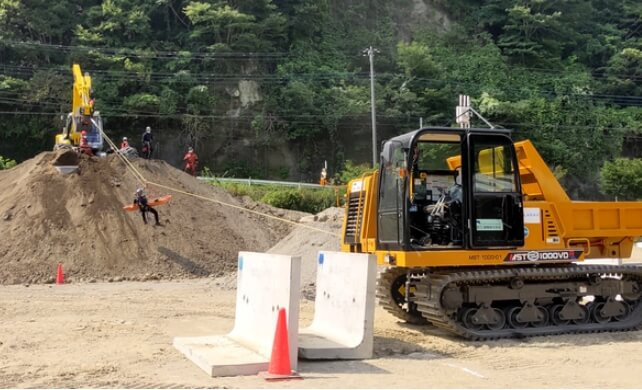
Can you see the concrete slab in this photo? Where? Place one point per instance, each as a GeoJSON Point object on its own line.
{"type": "Point", "coordinates": [342, 327]}
{"type": "Point", "coordinates": [220, 355]}
{"type": "Point", "coordinates": [265, 283]}
{"type": "Point", "coordinates": [66, 169]}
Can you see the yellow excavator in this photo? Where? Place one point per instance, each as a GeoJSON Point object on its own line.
{"type": "Point", "coordinates": [475, 235]}
{"type": "Point", "coordinates": [82, 117]}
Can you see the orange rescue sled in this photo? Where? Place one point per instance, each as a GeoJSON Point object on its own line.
{"type": "Point", "coordinates": [154, 202]}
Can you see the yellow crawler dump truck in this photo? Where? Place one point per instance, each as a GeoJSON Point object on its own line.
{"type": "Point", "coordinates": [476, 236]}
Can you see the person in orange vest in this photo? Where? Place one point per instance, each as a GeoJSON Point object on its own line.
{"type": "Point", "coordinates": [84, 144]}
{"type": "Point", "coordinates": [324, 177]}
{"type": "Point", "coordinates": [124, 144]}
{"type": "Point", "coordinates": [191, 161]}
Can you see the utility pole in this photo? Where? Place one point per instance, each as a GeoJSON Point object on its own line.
{"type": "Point", "coordinates": [370, 53]}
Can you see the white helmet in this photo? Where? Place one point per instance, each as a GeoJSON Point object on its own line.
{"type": "Point", "coordinates": [124, 138]}
{"type": "Point", "coordinates": [148, 129]}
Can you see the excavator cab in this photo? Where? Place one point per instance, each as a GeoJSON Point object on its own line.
{"type": "Point", "coordinates": [427, 202]}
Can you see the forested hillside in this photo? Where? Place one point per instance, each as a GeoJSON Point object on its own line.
{"type": "Point", "coordinates": [271, 88]}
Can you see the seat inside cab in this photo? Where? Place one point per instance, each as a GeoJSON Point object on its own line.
{"type": "Point", "coordinates": [435, 192]}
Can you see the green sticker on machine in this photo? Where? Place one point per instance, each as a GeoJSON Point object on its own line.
{"type": "Point", "coordinates": [488, 225]}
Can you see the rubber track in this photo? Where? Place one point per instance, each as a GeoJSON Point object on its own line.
{"type": "Point", "coordinates": [384, 284]}
{"type": "Point", "coordinates": [429, 290]}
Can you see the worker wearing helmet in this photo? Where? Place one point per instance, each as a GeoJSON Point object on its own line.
{"type": "Point", "coordinates": [191, 161]}
{"type": "Point", "coordinates": [124, 144]}
{"type": "Point", "coordinates": [143, 205]}
{"type": "Point", "coordinates": [148, 139]}
{"type": "Point", "coordinates": [84, 144]}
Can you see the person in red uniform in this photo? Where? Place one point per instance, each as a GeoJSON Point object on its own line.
{"type": "Point", "coordinates": [191, 161]}
{"type": "Point", "coordinates": [84, 144]}
{"type": "Point", "coordinates": [124, 144]}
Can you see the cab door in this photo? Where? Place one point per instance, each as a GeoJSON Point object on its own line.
{"type": "Point", "coordinates": [495, 199]}
{"type": "Point", "coordinates": [392, 200]}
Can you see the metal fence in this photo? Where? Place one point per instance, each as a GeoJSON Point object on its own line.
{"type": "Point", "coordinates": [251, 181]}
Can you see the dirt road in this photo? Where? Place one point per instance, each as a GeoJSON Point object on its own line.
{"type": "Point", "coordinates": [120, 335]}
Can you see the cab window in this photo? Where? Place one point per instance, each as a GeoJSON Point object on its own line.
{"type": "Point", "coordinates": [493, 168]}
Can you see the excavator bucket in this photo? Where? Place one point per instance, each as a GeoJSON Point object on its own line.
{"type": "Point", "coordinates": [66, 162]}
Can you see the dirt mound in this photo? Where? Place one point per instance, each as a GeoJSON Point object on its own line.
{"type": "Point", "coordinates": [306, 243]}
{"type": "Point", "coordinates": [77, 219]}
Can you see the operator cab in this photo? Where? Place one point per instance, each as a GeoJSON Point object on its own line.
{"type": "Point", "coordinates": [449, 188]}
{"type": "Point", "coordinates": [89, 124]}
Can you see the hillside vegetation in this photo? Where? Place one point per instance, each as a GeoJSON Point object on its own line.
{"type": "Point", "coordinates": [271, 88]}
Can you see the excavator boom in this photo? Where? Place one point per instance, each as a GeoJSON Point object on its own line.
{"type": "Point", "coordinates": [82, 117]}
{"type": "Point", "coordinates": [81, 96]}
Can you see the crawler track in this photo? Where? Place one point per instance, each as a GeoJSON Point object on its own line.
{"type": "Point", "coordinates": [391, 293]}
{"type": "Point", "coordinates": [493, 303]}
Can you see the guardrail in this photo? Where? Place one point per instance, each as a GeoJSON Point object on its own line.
{"type": "Point", "coordinates": [251, 181]}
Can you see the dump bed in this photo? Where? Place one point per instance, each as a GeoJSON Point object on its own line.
{"type": "Point", "coordinates": [602, 229]}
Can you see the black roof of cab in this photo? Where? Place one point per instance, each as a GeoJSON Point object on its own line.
{"type": "Point", "coordinates": [408, 139]}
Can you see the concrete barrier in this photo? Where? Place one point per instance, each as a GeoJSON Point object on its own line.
{"type": "Point", "coordinates": [265, 283]}
{"type": "Point", "coordinates": [342, 327]}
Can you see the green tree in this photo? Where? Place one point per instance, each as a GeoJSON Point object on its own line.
{"type": "Point", "coordinates": [352, 171]}
{"type": "Point", "coordinates": [564, 73]}
{"type": "Point", "coordinates": [622, 178]}
{"type": "Point", "coordinates": [625, 72]}
{"type": "Point", "coordinates": [6, 163]}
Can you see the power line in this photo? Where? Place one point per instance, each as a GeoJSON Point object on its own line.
{"type": "Point", "coordinates": [212, 78]}
{"type": "Point", "coordinates": [363, 125]}
{"type": "Point", "coordinates": [164, 54]}
{"type": "Point", "coordinates": [158, 54]}
{"type": "Point", "coordinates": [118, 108]}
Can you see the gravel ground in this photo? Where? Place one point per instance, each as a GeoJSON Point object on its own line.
{"type": "Point", "coordinates": [120, 335]}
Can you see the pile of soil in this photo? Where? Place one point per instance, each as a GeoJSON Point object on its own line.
{"type": "Point", "coordinates": [307, 243]}
{"type": "Point", "coordinates": [78, 219]}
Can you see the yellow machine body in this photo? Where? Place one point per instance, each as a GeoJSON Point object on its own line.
{"type": "Point", "coordinates": [82, 115]}
{"type": "Point", "coordinates": [552, 222]}
{"type": "Point", "coordinates": [476, 236]}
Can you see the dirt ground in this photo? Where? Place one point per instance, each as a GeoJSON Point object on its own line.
{"type": "Point", "coordinates": [120, 335]}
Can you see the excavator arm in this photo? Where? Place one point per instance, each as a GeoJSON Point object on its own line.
{"type": "Point", "coordinates": [82, 115]}
{"type": "Point", "coordinates": [81, 97]}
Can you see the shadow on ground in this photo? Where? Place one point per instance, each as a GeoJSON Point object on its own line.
{"type": "Point", "coordinates": [183, 262]}
{"type": "Point", "coordinates": [312, 367]}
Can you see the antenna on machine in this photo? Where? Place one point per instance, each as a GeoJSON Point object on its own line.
{"type": "Point", "coordinates": [463, 113]}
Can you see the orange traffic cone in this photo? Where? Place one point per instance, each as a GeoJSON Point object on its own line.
{"type": "Point", "coordinates": [280, 368]}
{"type": "Point", "coordinates": [60, 276]}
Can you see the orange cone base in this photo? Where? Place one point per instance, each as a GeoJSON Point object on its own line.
{"type": "Point", "coordinates": [274, 377]}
